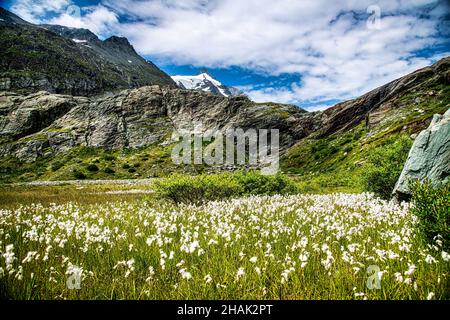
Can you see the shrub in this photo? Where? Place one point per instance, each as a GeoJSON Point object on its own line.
{"type": "Point", "coordinates": [92, 167]}
{"type": "Point", "coordinates": [79, 175]}
{"type": "Point", "coordinates": [255, 183]}
{"type": "Point", "coordinates": [56, 165]}
{"type": "Point", "coordinates": [385, 165]}
{"type": "Point", "coordinates": [108, 157]}
{"type": "Point", "coordinates": [109, 170]}
{"type": "Point", "coordinates": [432, 206]}
{"type": "Point", "coordinates": [196, 189]}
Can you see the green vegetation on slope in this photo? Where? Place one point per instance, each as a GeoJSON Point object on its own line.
{"type": "Point", "coordinates": [344, 161]}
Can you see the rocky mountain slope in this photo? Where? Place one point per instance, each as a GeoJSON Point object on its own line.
{"type": "Point", "coordinates": [205, 82]}
{"type": "Point", "coordinates": [52, 136]}
{"type": "Point", "coordinates": [69, 60]}
{"type": "Point", "coordinates": [127, 133]}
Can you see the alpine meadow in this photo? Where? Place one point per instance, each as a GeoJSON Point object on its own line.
{"type": "Point", "coordinates": [316, 168]}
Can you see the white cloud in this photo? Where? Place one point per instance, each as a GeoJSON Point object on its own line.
{"type": "Point", "coordinates": [35, 10]}
{"type": "Point", "coordinates": [326, 42]}
{"type": "Point", "coordinates": [98, 19]}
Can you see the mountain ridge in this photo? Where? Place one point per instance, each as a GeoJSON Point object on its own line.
{"type": "Point", "coordinates": [43, 128]}
{"type": "Point", "coordinates": [48, 135]}
{"type": "Point", "coordinates": [53, 58]}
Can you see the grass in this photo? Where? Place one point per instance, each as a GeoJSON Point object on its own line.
{"type": "Point", "coordinates": [13, 196]}
{"type": "Point", "coordinates": [269, 247]}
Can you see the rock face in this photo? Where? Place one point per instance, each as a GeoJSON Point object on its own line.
{"type": "Point", "coordinates": [69, 60]}
{"type": "Point", "coordinates": [429, 157]}
{"type": "Point", "coordinates": [44, 124]}
{"type": "Point", "coordinates": [372, 106]}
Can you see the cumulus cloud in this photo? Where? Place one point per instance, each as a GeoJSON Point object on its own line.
{"type": "Point", "coordinates": [329, 44]}
{"type": "Point", "coordinates": [98, 19]}
{"type": "Point", "coordinates": [36, 10]}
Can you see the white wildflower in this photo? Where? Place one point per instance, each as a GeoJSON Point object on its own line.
{"type": "Point", "coordinates": [207, 278]}
{"type": "Point", "coordinates": [240, 273]}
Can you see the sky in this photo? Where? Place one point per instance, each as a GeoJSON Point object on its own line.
{"type": "Point", "coordinates": [312, 53]}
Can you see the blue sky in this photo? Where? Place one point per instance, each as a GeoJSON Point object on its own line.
{"type": "Point", "coordinates": [309, 53]}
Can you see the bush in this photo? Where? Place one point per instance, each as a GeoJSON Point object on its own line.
{"type": "Point", "coordinates": [385, 165]}
{"type": "Point", "coordinates": [195, 189]}
{"type": "Point", "coordinates": [432, 206]}
{"type": "Point", "coordinates": [109, 170]}
{"type": "Point", "coordinates": [92, 167]}
{"type": "Point", "coordinates": [108, 157]}
{"type": "Point", "coordinates": [254, 183]}
{"type": "Point", "coordinates": [79, 175]}
{"type": "Point", "coordinates": [56, 165]}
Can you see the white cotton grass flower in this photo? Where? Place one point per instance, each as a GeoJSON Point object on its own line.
{"type": "Point", "coordinates": [303, 259]}
{"type": "Point", "coordinates": [208, 278]}
{"type": "Point", "coordinates": [74, 270]}
{"type": "Point", "coordinates": [398, 277]}
{"type": "Point", "coordinates": [253, 259]}
{"type": "Point", "coordinates": [408, 281]}
{"type": "Point", "coordinates": [179, 264]}
{"type": "Point", "coordinates": [29, 257]}
{"type": "Point", "coordinates": [240, 273]}
{"type": "Point", "coordinates": [193, 246]}
{"type": "Point", "coordinates": [360, 294]}
{"type": "Point", "coordinates": [19, 273]}
{"type": "Point", "coordinates": [445, 256]}
{"type": "Point", "coordinates": [185, 274]}
{"type": "Point", "coordinates": [151, 272]}
{"type": "Point", "coordinates": [430, 296]}
{"type": "Point", "coordinates": [411, 269]}
{"type": "Point", "coordinates": [429, 259]}
{"type": "Point", "coordinates": [9, 257]}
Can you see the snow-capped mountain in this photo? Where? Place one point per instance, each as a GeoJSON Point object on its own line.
{"type": "Point", "coordinates": [205, 82]}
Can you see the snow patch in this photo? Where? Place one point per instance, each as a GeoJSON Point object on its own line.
{"type": "Point", "coordinates": [79, 41]}
{"type": "Point", "coordinates": [202, 81]}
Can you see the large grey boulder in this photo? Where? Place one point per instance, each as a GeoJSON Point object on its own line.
{"type": "Point", "coordinates": [429, 157]}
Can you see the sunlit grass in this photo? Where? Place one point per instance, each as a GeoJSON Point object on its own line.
{"type": "Point", "coordinates": [279, 247]}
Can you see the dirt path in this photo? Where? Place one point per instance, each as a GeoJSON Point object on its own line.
{"type": "Point", "coordinates": [89, 182]}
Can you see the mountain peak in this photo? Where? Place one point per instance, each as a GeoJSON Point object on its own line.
{"type": "Point", "coordinates": [81, 64]}
{"type": "Point", "coordinates": [205, 82]}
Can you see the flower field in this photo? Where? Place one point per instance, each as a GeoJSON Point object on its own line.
{"type": "Point", "coordinates": [337, 246]}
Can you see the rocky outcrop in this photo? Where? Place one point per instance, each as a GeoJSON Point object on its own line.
{"type": "Point", "coordinates": [429, 157]}
{"type": "Point", "coordinates": [43, 124]}
{"type": "Point", "coordinates": [372, 106]}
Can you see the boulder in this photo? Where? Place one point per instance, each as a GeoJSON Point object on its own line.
{"type": "Point", "coordinates": [429, 157]}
